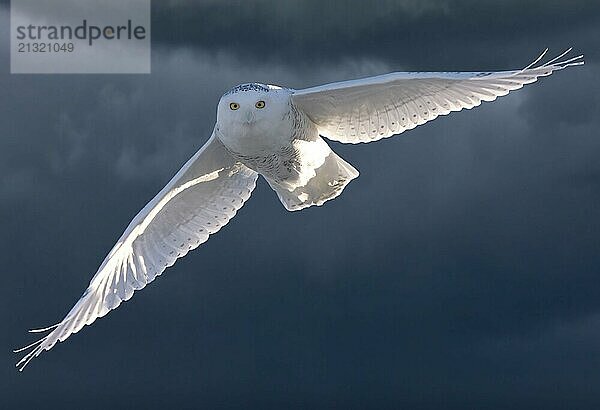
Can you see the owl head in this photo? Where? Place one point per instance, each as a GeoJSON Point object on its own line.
{"type": "Point", "coordinates": [252, 105]}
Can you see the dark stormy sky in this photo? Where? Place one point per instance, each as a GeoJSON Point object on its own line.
{"type": "Point", "coordinates": [460, 271]}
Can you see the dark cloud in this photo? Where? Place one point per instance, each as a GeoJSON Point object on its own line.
{"type": "Point", "coordinates": [415, 35]}
{"type": "Point", "coordinates": [459, 271]}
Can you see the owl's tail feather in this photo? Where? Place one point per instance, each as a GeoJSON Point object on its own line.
{"type": "Point", "coordinates": [329, 181]}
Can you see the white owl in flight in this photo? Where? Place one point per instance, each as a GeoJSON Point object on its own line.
{"type": "Point", "coordinates": [278, 133]}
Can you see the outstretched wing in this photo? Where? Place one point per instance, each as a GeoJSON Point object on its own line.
{"type": "Point", "coordinates": [202, 197]}
{"type": "Point", "coordinates": [378, 107]}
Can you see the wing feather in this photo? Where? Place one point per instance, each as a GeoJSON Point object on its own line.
{"type": "Point", "coordinates": [378, 107]}
{"type": "Point", "coordinates": [202, 197]}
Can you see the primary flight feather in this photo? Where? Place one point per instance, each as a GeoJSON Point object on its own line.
{"type": "Point", "coordinates": [274, 132]}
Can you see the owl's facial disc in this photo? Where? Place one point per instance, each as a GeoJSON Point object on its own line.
{"type": "Point", "coordinates": [252, 108]}
{"type": "Point", "coordinates": [244, 108]}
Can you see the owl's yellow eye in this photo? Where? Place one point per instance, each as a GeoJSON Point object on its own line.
{"type": "Point", "coordinates": [234, 106]}
{"type": "Point", "coordinates": [260, 104]}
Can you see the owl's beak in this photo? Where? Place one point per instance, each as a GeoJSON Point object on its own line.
{"type": "Point", "coordinates": [250, 117]}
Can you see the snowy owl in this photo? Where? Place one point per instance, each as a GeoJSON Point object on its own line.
{"type": "Point", "coordinates": [278, 133]}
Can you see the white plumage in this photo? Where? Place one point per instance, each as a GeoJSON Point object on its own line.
{"type": "Point", "coordinates": [275, 132]}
